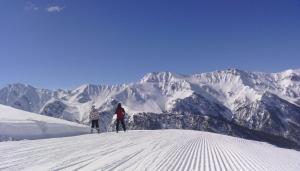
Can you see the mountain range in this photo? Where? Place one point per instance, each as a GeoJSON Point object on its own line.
{"type": "Point", "coordinates": [255, 105]}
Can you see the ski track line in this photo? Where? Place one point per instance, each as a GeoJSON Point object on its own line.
{"type": "Point", "coordinates": [245, 161]}
{"type": "Point", "coordinates": [69, 166]}
{"type": "Point", "coordinates": [184, 162]}
{"type": "Point", "coordinates": [119, 163]}
{"type": "Point", "coordinates": [212, 162]}
{"type": "Point", "coordinates": [169, 156]}
{"type": "Point", "coordinates": [180, 156]}
{"type": "Point", "coordinates": [40, 155]}
{"type": "Point", "coordinates": [168, 159]}
{"type": "Point", "coordinates": [24, 160]}
{"type": "Point", "coordinates": [143, 156]}
{"type": "Point", "coordinates": [233, 153]}
{"type": "Point", "coordinates": [232, 161]}
{"type": "Point", "coordinates": [177, 157]}
{"type": "Point", "coordinates": [255, 164]}
{"type": "Point", "coordinates": [192, 158]}
{"type": "Point", "coordinates": [239, 161]}
{"type": "Point", "coordinates": [254, 160]}
{"type": "Point", "coordinates": [150, 157]}
{"type": "Point", "coordinates": [7, 167]}
{"type": "Point", "coordinates": [215, 158]}
{"type": "Point", "coordinates": [74, 160]}
{"type": "Point", "coordinates": [196, 156]}
{"type": "Point", "coordinates": [223, 158]}
{"type": "Point", "coordinates": [202, 156]}
{"type": "Point", "coordinates": [233, 149]}
{"type": "Point", "coordinates": [81, 167]}
{"type": "Point", "coordinates": [223, 164]}
{"type": "Point", "coordinates": [206, 157]}
{"type": "Point", "coordinates": [246, 156]}
{"type": "Point", "coordinates": [250, 158]}
{"type": "Point", "coordinates": [135, 160]}
{"type": "Point", "coordinates": [101, 154]}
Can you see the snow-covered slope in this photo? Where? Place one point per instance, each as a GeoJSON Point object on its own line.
{"type": "Point", "coordinates": [267, 102]}
{"type": "Point", "coordinates": [147, 150]}
{"type": "Point", "coordinates": [17, 125]}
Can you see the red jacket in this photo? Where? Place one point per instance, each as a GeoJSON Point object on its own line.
{"type": "Point", "coordinates": [120, 113]}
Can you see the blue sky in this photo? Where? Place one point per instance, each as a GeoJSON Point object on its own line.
{"type": "Point", "coordinates": [66, 43]}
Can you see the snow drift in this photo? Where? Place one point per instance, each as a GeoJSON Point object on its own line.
{"type": "Point", "coordinates": [17, 125]}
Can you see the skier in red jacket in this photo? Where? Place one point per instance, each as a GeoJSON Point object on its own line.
{"type": "Point", "coordinates": [120, 117]}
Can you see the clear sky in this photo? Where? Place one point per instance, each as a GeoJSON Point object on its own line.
{"type": "Point", "coordinates": [66, 43]}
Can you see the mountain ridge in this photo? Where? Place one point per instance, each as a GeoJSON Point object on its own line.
{"type": "Point", "coordinates": [251, 99]}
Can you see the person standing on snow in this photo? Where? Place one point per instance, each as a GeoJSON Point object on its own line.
{"type": "Point", "coordinates": [94, 118]}
{"type": "Point", "coordinates": [120, 112]}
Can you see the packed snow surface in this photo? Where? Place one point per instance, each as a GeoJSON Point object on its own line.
{"type": "Point", "coordinates": [17, 125]}
{"type": "Point", "coordinates": [147, 150]}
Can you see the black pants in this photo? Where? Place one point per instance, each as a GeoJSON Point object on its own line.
{"type": "Point", "coordinates": [123, 124]}
{"type": "Point", "coordinates": [95, 124]}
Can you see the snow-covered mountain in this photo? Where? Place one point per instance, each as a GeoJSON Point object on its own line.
{"type": "Point", "coordinates": [265, 102]}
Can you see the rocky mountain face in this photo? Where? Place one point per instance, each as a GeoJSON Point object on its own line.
{"type": "Point", "coordinates": [235, 102]}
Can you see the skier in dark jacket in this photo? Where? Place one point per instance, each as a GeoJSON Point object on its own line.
{"type": "Point", "coordinates": [120, 112]}
{"type": "Point", "coordinates": [94, 118]}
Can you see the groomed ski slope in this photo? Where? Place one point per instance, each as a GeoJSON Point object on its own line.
{"type": "Point", "coordinates": [147, 150]}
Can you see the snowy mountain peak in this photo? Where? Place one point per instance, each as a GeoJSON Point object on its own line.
{"type": "Point", "coordinates": [224, 77]}
{"type": "Point", "coordinates": [155, 77]}
{"type": "Point", "coordinates": [234, 71]}
{"type": "Point", "coordinates": [85, 88]}
{"type": "Point", "coordinates": [292, 75]}
{"type": "Point", "coordinates": [93, 89]}
{"type": "Point", "coordinates": [291, 71]}
{"type": "Point", "coordinates": [19, 86]}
